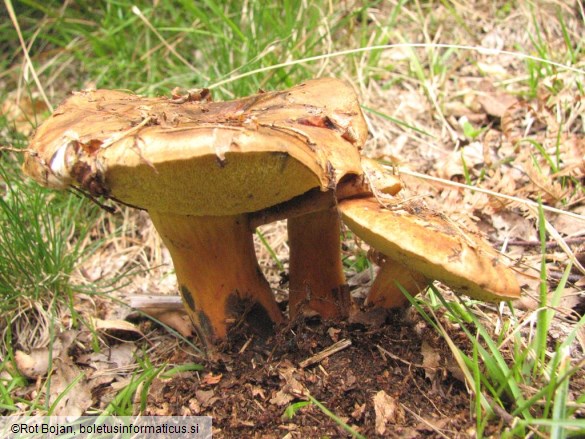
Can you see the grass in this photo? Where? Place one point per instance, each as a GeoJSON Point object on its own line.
{"type": "Point", "coordinates": [42, 247]}
{"type": "Point", "coordinates": [292, 409]}
{"type": "Point", "coordinates": [517, 375]}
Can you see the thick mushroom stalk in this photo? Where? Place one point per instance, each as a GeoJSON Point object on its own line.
{"type": "Point", "coordinates": [386, 290]}
{"type": "Point", "coordinates": [317, 281]}
{"type": "Point", "coordinates": [218, 274]}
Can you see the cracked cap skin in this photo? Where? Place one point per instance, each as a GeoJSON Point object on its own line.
{"type": "Point", "coordinates": [198, 157]}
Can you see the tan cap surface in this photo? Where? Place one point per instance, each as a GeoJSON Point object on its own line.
{"type": "Point", "coordinates": [425, 242]}
{"type": "Point", "coordinates": [198, 157]}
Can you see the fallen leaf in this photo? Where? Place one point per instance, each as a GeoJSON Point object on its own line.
{"type": "Point", "coordinates": [24, 112]}
{"type": "Point", "coordinates": [387, 411]}
{"type": "Point", "coordinates": [293, 385]}
{"type": "Point", "coordinates": [281, 398]}
{"type": "Point", "coordinates": [210, 379]}
{"type": "Point", "coordinates": [33, 365]}
{"type": "Point", "coordinates": [115, 357]}
{"type": "Point", "coordinates": [431, 358]}
{"type": "Point", "coordinates": [258, 391]}
{"type": "Point", "coordinates": [176, 320]}
{"type": "Point", "coordinates": [36, 364]}
{"type": "Point", "coordinates": [432, 425]}
{"type": "Point", "coordinates": [359, 411]}
{"type": "Point", "coordinates": [206, 397]}
{"type": "Point", "coordinates": [73, 401]}
{"type": "Point", "coordinates": [373, 317]}
{"type": "Point", "coordinates": [334, 333]}
{"type": "Point", "coordinates": [567, 225]}
{"type": "Point", "coordinates": [119, 325]}
{"type": "Point", "coordinates": [496, 104]}
{"type": "Point", "coordinates": [292, 388]}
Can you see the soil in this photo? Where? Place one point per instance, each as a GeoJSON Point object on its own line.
{"type": "Point", "coordinates": [249, 385]}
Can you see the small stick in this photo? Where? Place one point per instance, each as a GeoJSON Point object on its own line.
{"type": "Point", "coordinates": [548, 244]}
{"type": "Point", "coordinates": [397, 358]}
{"type": "Point", "coordinates": [424, 421]}
{"type": "Point", "coordinates": [333, 349]}
{"type": "Point", "coordinates": [159, 302]}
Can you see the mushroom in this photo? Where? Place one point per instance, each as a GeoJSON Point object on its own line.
{"type": "Point", "coordinates": [421, 245]}
{"type": "Point", "coordinates": [208, 173]}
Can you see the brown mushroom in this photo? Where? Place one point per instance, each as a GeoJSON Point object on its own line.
{"type": "Point", "coordinates": [206, 172]}
{"type": "Point", "coordinates": [392, 278]}
{"type": "Point", "coordinates": [422, 241]}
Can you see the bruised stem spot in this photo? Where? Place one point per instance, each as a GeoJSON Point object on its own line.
{"type": "Point", "coordinates": [252, 313]}
{"type": "Point", "coordinates": [187, 297]}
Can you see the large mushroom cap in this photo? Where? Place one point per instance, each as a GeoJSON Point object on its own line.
{"type": "Point", "coordinates": [425, 242]}
{"type": "Point", "coordinates": [190, 156]}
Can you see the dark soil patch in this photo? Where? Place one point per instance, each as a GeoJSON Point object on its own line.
{"type": "Point", "coordinates": [248, 388]}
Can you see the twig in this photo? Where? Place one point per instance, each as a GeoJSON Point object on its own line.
{"type": "Point", "coordinates": [424, 421]}
{"type": "Point", "coordinates": [333, 349]}
{"type": "Point", "coordinates": [397, 358]}
{"type": "Point", "coordinates": [160, 302]}
{"type": "Point", "coordinates": [13, 149]}
{"type": "Point", "coordinates": [549, 244]}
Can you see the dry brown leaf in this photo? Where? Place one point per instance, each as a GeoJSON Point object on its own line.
{"type": "Point", "coordinates": [258, 391]}
{"type": "Point", "coordinates": [291, 389]}
{"type": "Point", "coordinates": [569, 226]}
{"type": "Point", "coordinates": [387, 411]}
{"type": "Point", "coordinates": [359, 411]}
{"type": "Point", "coordinates": [452, 165]}
{"type": "Point", "coordinates": [431, 359]}
{"type": "Point", "coordinates": [33, 365]}
{"type": "Point", "coordinates": [518, 121]}
{"type": "Point", "coordinates": [334, 333]}
{"type": "Point", "coordinates": [115, 357]}
{"type": "Point", "coordinates": [281, 398]}
{"type": "Point", "coordinates": [206, 397]}
{"type": "Point", "coordinates": [493, 70]}
{"type": "Point", "coordinates": [373, 317]}
{"type": "Point", "coordinates": [293, 386]}
{"type": "Point", "coordinates": [78, 399]}
{"type": "Point", "coordinates": [176, 320]}
{"type": "Point", "coordinates": [211, 380]}
{"type": "Point", "coordinates": [496, 104]}
{"type": "Point", "coordinates": [23, 112]}
{"type": "Point", "coordinates": [36, 364]}
{"type": "Point", "coordinates": [433, 425]}
{"type": "Point", "coordinates": [117, 325]}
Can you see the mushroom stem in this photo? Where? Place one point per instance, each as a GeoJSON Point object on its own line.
{"type": "Point", "coordinates": [317, 281]}
{"type": "Point", "coordinates": [386, 292]}
{"type": "Point", "coordinates": [218, 273]}
{"type": "Point", "coordinates": [316, 199]}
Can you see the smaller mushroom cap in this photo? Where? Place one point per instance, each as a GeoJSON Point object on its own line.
{"type": "Point", "coordinates": [426, 242]}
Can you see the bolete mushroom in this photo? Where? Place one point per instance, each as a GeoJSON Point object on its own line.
{"type": "Point", "coordinates": [420, 245]}
{"type": "Point", "coordinates": [207, 173]}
